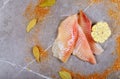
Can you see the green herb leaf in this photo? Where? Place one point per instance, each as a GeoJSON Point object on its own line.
{"type": "Point", "coordinates": [47, 3]}
{"type": "Point", "coordinates": [65, 75]}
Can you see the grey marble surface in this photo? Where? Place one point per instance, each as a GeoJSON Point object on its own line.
{"type": "Point", "coordinates": [14, 47]}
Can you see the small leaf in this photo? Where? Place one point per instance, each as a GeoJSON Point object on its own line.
{"type": "Point", "coordinates": [65, 75]}
{"type": "Point", "coordinates": [47, 3]}
{"type": "Point", "coordinates": [36, 53]}
{"type": "Point", "coordinates": [31, 24]}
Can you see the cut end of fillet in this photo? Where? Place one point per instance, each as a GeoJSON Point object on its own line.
{"type": "Point", "coordinates": [57, 48]}
{"type": "Point", "coordinates": [88, 58]}
{"type": "Point", "coordinates": [92, 60]}
{"type": "Point", "coordinates": [97, 49]}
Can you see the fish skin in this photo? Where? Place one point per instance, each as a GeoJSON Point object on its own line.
{"type": "Point", "coordinates": [86, 23]}
{"type": "Point", "coordinates": [82, 49]}
{"type": "Point", "coordinates": [66, 39]}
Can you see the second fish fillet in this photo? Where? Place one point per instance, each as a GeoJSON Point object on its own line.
{"type": "Point", "coordinates": [85, 23]}
{"type": "Point", "coordinates": [82, 49]}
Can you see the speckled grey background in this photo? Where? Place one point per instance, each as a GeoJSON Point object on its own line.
{"type": "Point", "coordinates": [14, 47]}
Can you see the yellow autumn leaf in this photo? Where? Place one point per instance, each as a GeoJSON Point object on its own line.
{"type": "Point", "coordinates": [47, 3]}
{"type": "Point", "coordinates": [36, 53]}
{"type": "Point", "coordinates": [31, 24]}
{"type": "Point", "coordinates": [65, 75]}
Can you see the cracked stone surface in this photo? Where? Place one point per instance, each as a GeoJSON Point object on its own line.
{"type": "Point", "coordinates": [14, 48]}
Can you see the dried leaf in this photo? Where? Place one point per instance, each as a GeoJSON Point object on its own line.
{"type": "Point", "coordinates": [65, 75]}
{"type": "Point", "coordinates": [31, 24]}
{"type": "Point", "coordinates": [36, 53]}
{"type": "Point", "coordinates": [47, 3]}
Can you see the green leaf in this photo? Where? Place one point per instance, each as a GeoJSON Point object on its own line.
{"type": "Point", "coordinates": [65, 75]}
{"type": "Point", "coordinates": [47, 3]}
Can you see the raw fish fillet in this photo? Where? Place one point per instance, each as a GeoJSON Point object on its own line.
{"type": "Point", "coordinates": [71, 39]}
{"type": "Point", "coordinates": [82, 49]}
{"type": "Point", "coordinates": [85, 23]}
{"type": "Point", "coordinates": [66, 39]}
